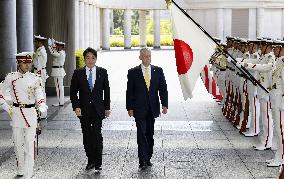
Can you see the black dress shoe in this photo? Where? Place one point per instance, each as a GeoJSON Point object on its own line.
{"type": "Point", "coordinates": [149, 163]}
{"type": "Point", "coordinates": [143, 165]}
{"type": "Point", "coordinates": [19, 176]}
{"type": "Point", "coordinates": [90, 166]}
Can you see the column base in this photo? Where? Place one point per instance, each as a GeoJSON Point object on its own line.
{"type": "Point", "coordinates": [157, 47]}
{"type": "Point", "coordinates": [127, 48]}
{"type": "Point", "coordinates": [105, 48]}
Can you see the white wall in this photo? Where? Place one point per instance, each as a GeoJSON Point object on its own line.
{"type": "Point", "coordinates": [273, 23]}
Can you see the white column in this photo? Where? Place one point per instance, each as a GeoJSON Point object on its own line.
{"type": "Point", "coordinates": [87, 25]}
{"type": "Point", "coordinates": [8, 47]}
{"type": "Point", "coordinates": [95, 26]}
{"type": "Point", "coordinates": [77, 25]}
{"type": "Point", "coordinates": [220, 24]}
{"type": "Point", "coordinates": [127, 29]}
{"type": "Point", "coordinates": [227, 22]}
{"type": "Point", "coordinates": [25, 25]}
{"type": "Point", "coordinates": [111, 21]}
{"type": "Point", "coordinates": [260, 22]}
{"type": "Point", "coordinates": [282, 22]}
{"type": "Point", "coordinates": [70, 64]}
{"type": "Point", "coordinates": [252, 24]}
{"type": "Point", "coordinates": [99, 28]}
{"type": "Point", "coordinates": [106, 30]}
{"type": "Point", "coordinates": [142, 28]}
{"type": "Point", "coordinates": [157, 29]}
{"type": "Point", "coordinates": [82, 25]}
{"type": "Point", "coordinates": [91, 25]}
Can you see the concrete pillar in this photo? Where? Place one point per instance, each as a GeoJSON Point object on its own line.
{"type": "Point", "coordinates": [25, 25]}
{"type": "Point", "coordinates": [220, 23]}
{"type": "Point", "coordinates": [111, 21]}
{"type": "Point", "coordinates": [282, 23]}
{"type": "Point", "coordinates": [127, 29]}
{"type": "Point", "coordinates": [77, 25]}
{"type": "Point", "coordinates": [252, 24]}
{"type": "Point", "coordinates": [142, 28]}
{"type": "Point", "coordinates": [156, 15]}
{"type": "Point", "coordinates": [70, 63]}
{"type": "Point", "coordinates": [227, 22]}
{"type": "Point", "coordinates": [91, 32]}
{"type": "Point", "coordinates": [98, 28]}
{"type": "Point", "coordinates": [87, 25]}
{"type": "Point", "coordinates": [8, 47]}
{"type": "Point", "coordinates": [95, 45]}
{"type": "Point", "coordinates": [106, 30]}
{"type": "Point", "coordinates": [260, 22]}
{"type": "Point", "coordinates": [82, 25]}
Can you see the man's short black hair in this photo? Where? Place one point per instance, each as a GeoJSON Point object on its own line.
{"type": "Point", "coordinates": [91, 50]}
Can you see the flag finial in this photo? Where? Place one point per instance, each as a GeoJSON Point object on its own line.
{"type": "Point", "coordinates": [168, 3]}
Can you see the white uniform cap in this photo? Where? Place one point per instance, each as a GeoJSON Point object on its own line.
{"type": "Point", "coordinates": [59, 43]}
{"type": "Point", "coordinates": [38, 37]}
{"type": "Point", "coordinates": [26, 57]}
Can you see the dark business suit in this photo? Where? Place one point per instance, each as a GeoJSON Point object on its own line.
{"type": "Point", "coordinates": [93, 105]}
{"type": "Point", "coordinates": [146, 106]}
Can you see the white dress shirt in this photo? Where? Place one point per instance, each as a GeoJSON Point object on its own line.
{"type": "Point", "coordinates": [93, 72]}
{"type": "Point", "coordinates": [143, 70]}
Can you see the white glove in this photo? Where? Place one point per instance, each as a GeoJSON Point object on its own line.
{"type": "Point", "coordinates": [43, 108]}
{"type": "Point", "coordinates": [229, 59]}
{"type": "Point", "coordinates": [49, 42]}
{"type": "Point", "coordinates": [7, 108]}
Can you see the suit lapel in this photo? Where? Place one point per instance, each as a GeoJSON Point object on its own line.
{"type": "Point", "coordinates": [98, 76]}
{"type": "Point", "coordinates": [153, 76]}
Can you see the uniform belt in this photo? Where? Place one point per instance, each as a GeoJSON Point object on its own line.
{"type": "Point", "coordinates": [24, 105]}
{"type": "Point", "coordinates": [222, 69]}
{"type": "Point", "coordinates": [38, 69]}
{"type": "Point", "coordinates": [57, 66]}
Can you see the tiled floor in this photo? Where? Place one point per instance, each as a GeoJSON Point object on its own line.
{"type": "Point", "coordinates": [192, 141]}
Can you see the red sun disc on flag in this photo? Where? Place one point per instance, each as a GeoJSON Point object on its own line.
{"type": "Point", "coordinates": [184, 56]}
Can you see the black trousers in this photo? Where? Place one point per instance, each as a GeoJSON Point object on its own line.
{"type": "Point", "coordinates": [92, 138]}
{"type": "Point", "coordinates": [145, 133]}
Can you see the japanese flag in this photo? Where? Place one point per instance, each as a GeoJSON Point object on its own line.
{"type": "Point", "coordinates": [193, 49]}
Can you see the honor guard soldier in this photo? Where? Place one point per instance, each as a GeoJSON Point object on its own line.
{"type": "Point", "coordinates": [40, 60]}
{"type": "Point", "coordinates": [27, 96]}
{"type": "Point", "coordinates": [57, 51]}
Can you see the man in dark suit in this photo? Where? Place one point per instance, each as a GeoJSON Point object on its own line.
{"type": "Point", "coordinates": [142, 102]}
{"type": "Point", "coordinates": [92, 106]}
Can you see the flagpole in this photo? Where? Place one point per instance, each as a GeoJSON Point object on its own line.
{"type": "Point", "coordinates": [242, 69]}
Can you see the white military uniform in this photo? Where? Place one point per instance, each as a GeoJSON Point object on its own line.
{"type": "Point", "coordinates": [277, 108]}
{"type": "Point", "coordinates": [58, 72]}
{"type": "Point", "coordinates": [25, 89]}
{"type": "Point", "coordinates": [253, 120]}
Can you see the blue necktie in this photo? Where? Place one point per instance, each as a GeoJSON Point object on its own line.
{"type": "Point", "coordinates": [90, 80]}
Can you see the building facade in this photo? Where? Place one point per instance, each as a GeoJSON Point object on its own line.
{"type": "Point", "coordinates": [84, 23]}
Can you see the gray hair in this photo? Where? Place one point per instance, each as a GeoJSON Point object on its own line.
{"type": "Point", "coordinates": [144, 49]}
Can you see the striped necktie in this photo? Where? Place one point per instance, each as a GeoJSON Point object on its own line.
{"type": "Point", "coordinates": [90, 80]}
